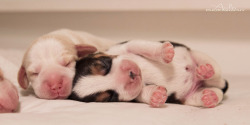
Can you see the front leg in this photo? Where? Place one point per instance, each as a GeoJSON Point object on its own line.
{"type": "Point", "coordinates": [153, 95]}
{"type": "Point", "coordinates": [162, 52]}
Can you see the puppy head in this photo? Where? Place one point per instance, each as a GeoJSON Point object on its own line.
{"type": "Point", "coordinates": [104, 78]}
{"type": "Point", "coordinates": [49, 66]}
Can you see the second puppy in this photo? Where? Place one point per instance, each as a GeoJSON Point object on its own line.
{"type": "Point", "coordinates": [149, 72]}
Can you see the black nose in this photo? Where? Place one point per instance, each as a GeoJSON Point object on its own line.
{"type": "Point", "coordinates": [132, 75]}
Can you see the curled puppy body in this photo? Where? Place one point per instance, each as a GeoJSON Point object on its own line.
{"type": "Point", "coordinates": [149, 72]}
{"type": "Point", "coordinates": [48, 64]}
{"type": "Point", "coordinates": [9, 98]}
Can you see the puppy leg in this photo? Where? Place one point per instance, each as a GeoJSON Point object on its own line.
{"type": "Point", "coordinates": [153, 95]}
{"type": "Point", "coordinates": [162, 52]}
{"type": "Point", "coordinates": [205, 97]}
{"type": "Point", "coordinates": [209, 71]}
{"type": "Point", "coordinates": [9, 99]}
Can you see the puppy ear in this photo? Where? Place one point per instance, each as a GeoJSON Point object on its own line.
{"type": "Point", "coordinates": [84, 49]}
{"type": "Point", "coordinates": [22, 78]}
{"type": "Point", "coordinates": [1, 75]}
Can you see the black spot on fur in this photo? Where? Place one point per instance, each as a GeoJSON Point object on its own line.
{"type": "Point", "coordinates": [84, 66]}
{"type": "Point", "coordinates": [226, 87]}
{"type": "Point", "coordinates": [90, 98]}
{"type": "Point", "coordinates": [172, 99]}
{"type": "Point", "coordinates": [113, 97]}
{"type": "Point", "coordinates": [175, 44]}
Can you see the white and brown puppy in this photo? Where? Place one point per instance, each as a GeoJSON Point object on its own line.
{"type": "Point", "coordinates": [48, 64]}
{"type": "Point", "coordinates": [9, 98]}
{"type": "Point", "coordinates": [149, 72]}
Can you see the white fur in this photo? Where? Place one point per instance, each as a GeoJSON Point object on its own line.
{"type": "Point", "coordinates": [98, 83]}
{"type": "Point", "coordinates": [177, 77]}
{"type": "Point", "coordinates": [55, 53]}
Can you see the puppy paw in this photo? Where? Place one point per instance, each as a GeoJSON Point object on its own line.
{"type": "Point", "coordinates": [209, 98]}
{"type": "Point", "coordinates": [4, 110]}
{"type": "Point", "coordinates": [205, 71]}
{"type": "Point", "coordinates": [9, 99]}
{"type": "Point", "coordinates": [158, 97]}
{"type": "Point", "coordinates": [167, 52]}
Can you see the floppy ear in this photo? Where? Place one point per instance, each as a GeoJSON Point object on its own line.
{"type": "Point", "coordinates": [22, 78]}
{"type": "Point", "coordinates": [1, 75]}
{"type": "Point", "coordinates": [84, 49]}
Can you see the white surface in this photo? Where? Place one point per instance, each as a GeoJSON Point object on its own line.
{"type": "Point", "coordinates": [119, 5]}
{"type": "Point", "coordinates": [234, 110]}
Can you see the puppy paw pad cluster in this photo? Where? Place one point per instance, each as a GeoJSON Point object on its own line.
{"type": "Point", "coordinates": [209, 98]}
{"type": "Point", "coordinates": [158, 97]}
{"type": "Point", "coordinates": [167, 52]}
{"type": "Point", "coordinates": [205, 71]}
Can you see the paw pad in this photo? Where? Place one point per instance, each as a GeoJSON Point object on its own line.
{"type": "Point", "coordinates": [205, 71]}
{"type": "Point", "coordinates": [167, 52]}
{"type": "Point", "coordinates": [158, 97]}
{"type": "Point", "coordinates": [209, 98]}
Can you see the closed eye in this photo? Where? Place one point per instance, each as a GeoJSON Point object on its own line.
{"type": "Point", "coordinates": [68, 64]}
{"type": "Point", "coordinates": [106, 64]}
{"type": "Point", "coordinates": [34, 74]}
{"type": "Point", "coordinates": [99, 67]}
{"type": "Point", "coordinates": [34, 71]}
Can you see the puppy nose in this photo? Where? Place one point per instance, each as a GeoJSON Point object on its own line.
{"type": "Point", "coordinates": [131, 68]}
{"type": "Point", "coordinates": [55, 82]}
{"type": "Point", "coordinates": [132, 75]}
{"type": "Point", "coordinates": [56, 86]}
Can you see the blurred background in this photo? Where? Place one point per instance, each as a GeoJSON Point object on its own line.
{"type": "Point", "coordinates": [220, 28]}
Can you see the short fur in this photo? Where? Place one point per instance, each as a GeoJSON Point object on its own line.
{"type": "Point", "coordinates": [49, 62]}
{"type": "Point", "coordinates": [141, 70]}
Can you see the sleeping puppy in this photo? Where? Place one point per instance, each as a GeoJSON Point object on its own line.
{"type": "Point", "coordinates": [9, 98]}
{"type": "Point", "coordinates": [48, 64]}
{"type": "Point", "coordinates": [149, 72]}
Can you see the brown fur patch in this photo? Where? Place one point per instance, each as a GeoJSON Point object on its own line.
{"type": "Point", "coordinates": [102, 96]}
{"type": "Point", "coordinates": [97, 69]}
{"type": "Point", "coordinates": [1, 75]}
{"type": "Point", "coordinates": [100, 54]}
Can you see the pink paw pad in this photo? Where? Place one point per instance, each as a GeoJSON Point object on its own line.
{"type": "Point", "coordinates": [167, 52]}
{"type": "Point", "coordinates": [159, 97]}
{"type": "Point", "coordinates": [205, 71]}
{"type": "Point", "coordinates": [209, 98]}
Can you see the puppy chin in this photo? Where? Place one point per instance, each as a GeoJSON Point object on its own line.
{"type": "Point", "coordinates": [48, 94]}
{"type": "Point", "coordinates": [128, 95]}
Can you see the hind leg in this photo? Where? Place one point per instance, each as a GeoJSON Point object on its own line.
{"type": "Point", "coordinates": [205, 97]}
{"type": "Point", "coordinates": [161, 52]}
{"type": "Point", "coordinates": [209, 71]}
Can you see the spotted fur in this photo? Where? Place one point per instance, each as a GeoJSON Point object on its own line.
{"type": "Point", "coordinates": [179, 77]}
